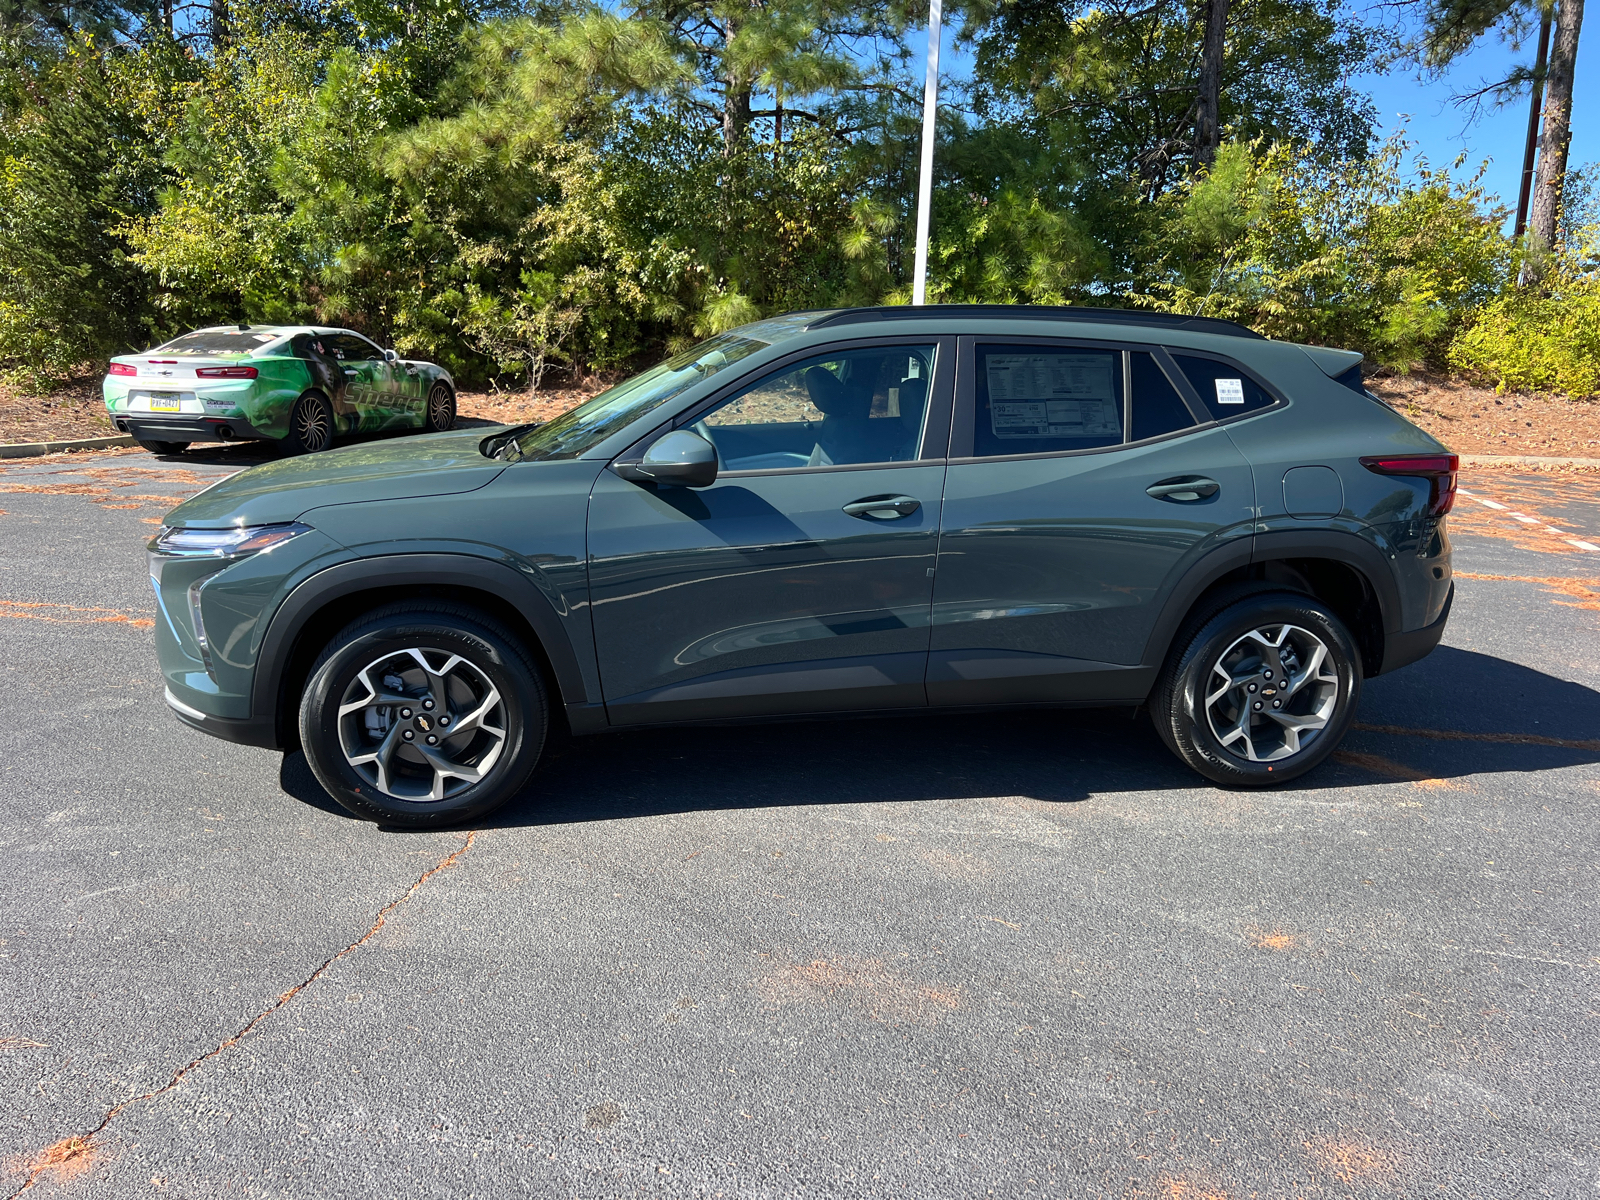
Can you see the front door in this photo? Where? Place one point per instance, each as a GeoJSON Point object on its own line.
{"type": "Point", "coordinates": [801, 580]}
{"type": "Point", "coordinates": [1068, 517]}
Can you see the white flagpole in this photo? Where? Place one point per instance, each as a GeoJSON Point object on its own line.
{"type": "Point", "coordinates": [930, 106]}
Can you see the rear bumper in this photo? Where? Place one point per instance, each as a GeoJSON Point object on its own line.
{"type": "Point", "coordinates": [185, 427]}
{"type": "Point", "coordinates": [1403, 649]}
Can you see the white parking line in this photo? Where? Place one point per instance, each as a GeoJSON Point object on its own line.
{"type": "Point", "coordinates": [1579, 543]}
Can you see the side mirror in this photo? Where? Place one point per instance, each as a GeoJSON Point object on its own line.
{"type": "Point", "coordinates": [391, 356]}
{"type": "Point", "coordinates": [682, 458]}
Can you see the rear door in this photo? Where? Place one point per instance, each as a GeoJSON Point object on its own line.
{"type": "Point", "coordinates": [1081, 487]}
{"type": "Point", "coordinates": [801, 581]}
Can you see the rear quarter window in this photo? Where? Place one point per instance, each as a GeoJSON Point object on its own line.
{"type": "Point", "coordinates": [1225, 389]}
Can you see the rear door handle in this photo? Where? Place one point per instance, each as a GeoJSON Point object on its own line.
{"type": "Point", "coordinates": [883, 508]}
{"type": "Point", "coordinates": [1185, 489]}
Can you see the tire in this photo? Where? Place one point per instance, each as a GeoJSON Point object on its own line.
{"type": "Point", "coordinates": [310, 425]}
{"type": "Point", "coordinates": [1237, 735]}
{"type": "Point", "coordinates": [440, 413]}
{"type": "Point", "coordinates": [163, 447]}
{"type": "Point", "coordinates": [475, 671]}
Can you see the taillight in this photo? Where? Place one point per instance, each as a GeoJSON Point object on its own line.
{"type": "Point", "coordinates": [225, 372]}
{"type": "Point", "coordinates": [122, 369]}
{"type": "Point", "coordinates": [1438, 469]}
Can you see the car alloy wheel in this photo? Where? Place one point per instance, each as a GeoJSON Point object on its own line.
{"type": "Point", "coordinates": [1260, 687]}
{"type": "Point", "coordinates": [310, 425]}
{"type": "Point", "coordinates": [1271, 693]}
{"type": "Point", "coordinates": [422, 724]}
{"type": "Point", "coordinates": [424, 714]}
{"type": "Point", "coordinates": [441, 409]}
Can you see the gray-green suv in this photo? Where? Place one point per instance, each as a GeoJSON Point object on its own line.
{"type": "Point", "coordinates": [824, 513]}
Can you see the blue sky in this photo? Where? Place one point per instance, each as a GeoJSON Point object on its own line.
{"type": "Point", "coordinates": [1440, 129]}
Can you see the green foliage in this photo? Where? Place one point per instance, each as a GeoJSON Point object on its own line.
{"type": "Point", "coordinates": [73, 166]}
{"type": "Point", "coordinates": [502, 188]}
{"type": "Point", "coordinates": [1544, 339]}
{"type": "Point", "coordinates": [1355, 254]}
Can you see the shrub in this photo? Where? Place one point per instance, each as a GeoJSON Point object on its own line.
{"type": "Point", "coordinates": [1544, 339]}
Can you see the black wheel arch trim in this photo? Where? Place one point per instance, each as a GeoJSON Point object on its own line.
{"type": "Point", "coordinates": [1346, 548]}
{"type": "Point", "coordinates": [284, 633]}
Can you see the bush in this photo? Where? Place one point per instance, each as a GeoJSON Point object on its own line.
{"type": "Point", "coordinates": [1540, 339]}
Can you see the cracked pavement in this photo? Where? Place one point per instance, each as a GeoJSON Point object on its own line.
{"type": "Point", "coordinates": [1023, 954]}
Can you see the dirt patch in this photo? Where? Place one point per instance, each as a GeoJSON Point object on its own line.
{"type": "Point", "coordinates": [1475, 420]}
{"type": "Point", "coordinates": [864, 986]}
{"type": "Point", "coordinates": [1352, 1162]}
{"type": "Point", "coordinates": [515, 408]}
{"type": "Point", "coordinates": [106, 486]}
{"type": "Point", "coordinates": [1272, 939]}
{"type": "Point", "coordinates": [1584, 593]}
{"type": "Point", "coordinates": [70, 614]}
{"type": "Point", "coordinates": [75, 410]}
{"type": "Point", "coordinates": [66, 1160]}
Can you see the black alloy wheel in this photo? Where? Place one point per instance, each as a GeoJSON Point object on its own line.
{"type": "Point", "coordinates": [1258, 690]}
{"type": "Point", "coordinates": [163, 447]}
{"type": "Point", "coordinates": [423, 715]}
{"type": "Point", "coordinates": [441, 414]}
{"type": "Point", "coordinates": [310, 425]}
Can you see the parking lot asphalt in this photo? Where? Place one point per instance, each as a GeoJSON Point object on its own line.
{"type": "Point", "coordinates": [1009, 955]}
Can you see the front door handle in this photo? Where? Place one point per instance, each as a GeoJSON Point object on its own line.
{"type": "Point", "coordinates": [1185, 489]}
{"type": "Point", "coordinates": [883, 508]}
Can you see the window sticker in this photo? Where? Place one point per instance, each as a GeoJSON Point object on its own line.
{"type": "Point", "coordinates": [1230, 391]}
{"type": "Point", "coordinates": [1052, 396]}
{"type": "Point", "coordinates": [265, 337]}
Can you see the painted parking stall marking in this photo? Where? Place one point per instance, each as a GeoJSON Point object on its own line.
{"type": "Point", "coordinates": [1523, 518]}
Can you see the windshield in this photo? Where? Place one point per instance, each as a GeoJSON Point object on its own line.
{"type": "Point", "coordinates": [586, 426]}
{"type": "Point", "coordinates": [229, 339]}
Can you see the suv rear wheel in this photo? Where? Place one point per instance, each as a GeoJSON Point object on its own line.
{"type": "Point", "coordinates": [423, 715]}
{"type": "Point", "coordinates": [1258, 691]}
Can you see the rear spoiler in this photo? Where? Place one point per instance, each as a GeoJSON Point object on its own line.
{"type": "Point", "coordinates": [1341, 366]}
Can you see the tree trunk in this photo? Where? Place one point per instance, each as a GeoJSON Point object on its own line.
{"type": "Point", "coordinates": [1208, 102]}
{"type": "Point", "coordinates": [735, 98]}
{"type": "Point", "coordinates": [1557, 133]}
{"type": "Point", "coordinates": [1540, 60]}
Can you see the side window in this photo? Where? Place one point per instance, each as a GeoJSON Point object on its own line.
{"type": "Point", "coordinates": [1033, 399]}
{"type": "Point", "coordinates": [351, 348]}
{"type": "Point", "coordinates": [1226, 390]}
{"type": "Point", "coordinates": [1156, 407]}
{"type": "Point", "coordinates": [858, 406]}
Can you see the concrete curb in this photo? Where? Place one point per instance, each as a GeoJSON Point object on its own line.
{"type": "Point", "coordinates": [33, 449]}
{"type": "Point", "coordinates": [1524, 460]}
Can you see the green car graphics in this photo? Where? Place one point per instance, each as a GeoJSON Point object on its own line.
{"type": "Point", "coordinates": [298, 385]}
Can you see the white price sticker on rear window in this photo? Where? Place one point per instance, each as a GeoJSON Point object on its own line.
{"type": "Point", "coordinates": [1230, 391]}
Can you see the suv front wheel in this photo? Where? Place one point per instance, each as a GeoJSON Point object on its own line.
{"type": "Point", "coordinates": [423, 715]}
{"type": "Point", "coordinates": [1259, 691]}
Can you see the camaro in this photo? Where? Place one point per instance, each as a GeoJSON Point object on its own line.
{"type": "Point", "coordinates": [298, 385]}
{"type": "Point", "coordinates": [865, 510]}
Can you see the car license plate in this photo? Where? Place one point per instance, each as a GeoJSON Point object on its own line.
{"type": "Point", "coordinates": [164, 401]}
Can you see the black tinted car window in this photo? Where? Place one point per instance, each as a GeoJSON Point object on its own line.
{"type": "Point", "coordinates": [1033, 399]}
{"type": "Point", "coordinates": [850, 407]}
{"type": "Point", "coordinates": [1155, 408]}
{"type": "Point", "coordinates": [351, 348]}
{"type": "Point", "coordinates": [1226, 390]}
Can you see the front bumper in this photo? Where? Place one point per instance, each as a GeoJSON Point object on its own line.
{"type": "Point", "coordinates": [251, 731]}
{"type": "Point", "coordinates": [185, 427]}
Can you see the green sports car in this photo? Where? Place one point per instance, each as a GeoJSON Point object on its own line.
{"type": "Point", "coordinates": [298, 385]}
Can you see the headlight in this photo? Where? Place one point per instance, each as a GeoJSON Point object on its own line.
{"type": "Point", "coordinates": [239, 542]}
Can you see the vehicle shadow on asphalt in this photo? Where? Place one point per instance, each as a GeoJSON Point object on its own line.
{"type": "Point", "coordinates": [1054, 756]}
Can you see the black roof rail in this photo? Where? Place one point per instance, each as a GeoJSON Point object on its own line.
{"type": "Point", "coordinates": [1036, 312]}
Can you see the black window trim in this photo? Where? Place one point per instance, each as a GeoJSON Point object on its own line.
{"type": "Point", "coordinates": [935, 417]}
{"type": "Point", "coordinates": [1192, 393]}
{"type": "Point", "coordinates": [963, 426]}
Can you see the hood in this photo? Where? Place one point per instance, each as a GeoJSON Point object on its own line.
{"type": "Point", "coordinates": [439, 464]}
